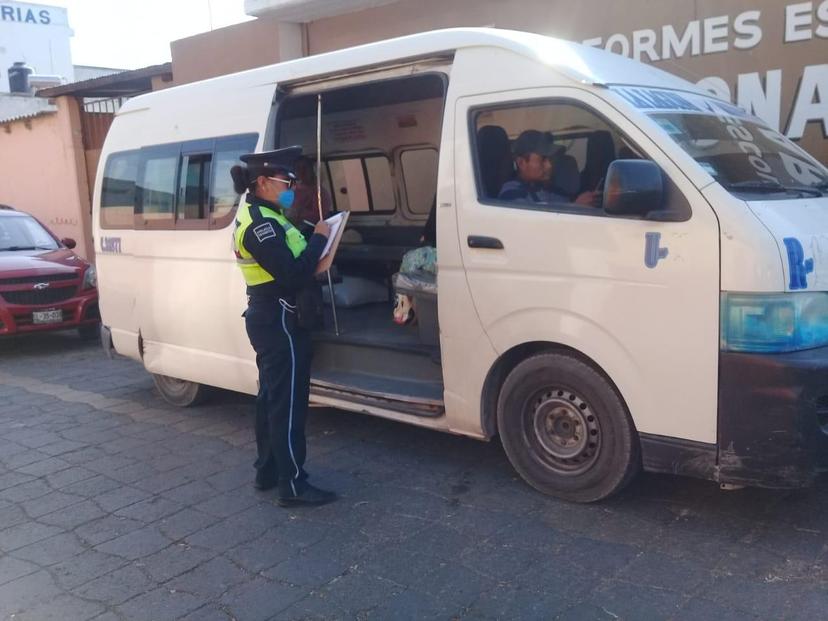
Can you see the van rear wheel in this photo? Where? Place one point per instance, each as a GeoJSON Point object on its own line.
{"type": "Point", "coordinates": [179, 392]}
{"type": "Point", "coordinates": [565, 429]}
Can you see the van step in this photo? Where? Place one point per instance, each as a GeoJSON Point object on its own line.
{"type": "Point", "coordinates": [379, 339]}
{"type": "Point", "coordinates": [422, 398]}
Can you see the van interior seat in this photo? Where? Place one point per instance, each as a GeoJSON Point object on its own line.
{"type": "Point", "coordinates": [567, 179]}
{"type": "Point", "coordinates": [600, 153]}
{"type": "Point", "coordinates": [495, 155]}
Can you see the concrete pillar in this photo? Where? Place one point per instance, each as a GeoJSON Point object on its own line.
{"type": "Point", "coordinates": [78, 192]}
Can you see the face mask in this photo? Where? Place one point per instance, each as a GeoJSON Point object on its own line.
{"type": "Point", "coordinates": [286, 198]}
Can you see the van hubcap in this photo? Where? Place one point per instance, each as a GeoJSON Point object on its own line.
{"type": "Point", "coordinates": [563, 430]}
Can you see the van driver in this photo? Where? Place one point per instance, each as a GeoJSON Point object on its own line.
{"type": "Point", "coordinates": [534, 156]}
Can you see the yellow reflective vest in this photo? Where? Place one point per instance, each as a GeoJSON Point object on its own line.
{"type": "Point", "coordinates": [254, 274]}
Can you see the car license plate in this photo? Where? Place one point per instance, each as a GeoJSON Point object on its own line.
{"type": "Point", "coordinates": [49, 316]}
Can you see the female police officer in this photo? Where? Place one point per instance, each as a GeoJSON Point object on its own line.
{"type": "Point", "coordinates": [277, 263]}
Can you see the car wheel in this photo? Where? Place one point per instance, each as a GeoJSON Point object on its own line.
{"type": "Point", "coordinates": [89, 332]}
{"type": "Point", "coordinates": [565, 429]}
{"type": "Point", "coordinates": [179, 392]}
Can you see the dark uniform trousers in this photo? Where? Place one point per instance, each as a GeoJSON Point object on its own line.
{"type": "Point", "coordinates": [283, 357]}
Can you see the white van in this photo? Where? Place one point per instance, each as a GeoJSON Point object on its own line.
{"type": "Point", "coordinates": [681, 325]}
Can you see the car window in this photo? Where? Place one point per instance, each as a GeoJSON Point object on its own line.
{"type": "Point", "coordinates": [224, 198]}
{"type": "Point", "coordinates": [185, 185]}
{"type": "Point", "coordinates": [24, 233]}
{"type": "Point", "coordinates": [738, 150]}
{"type": "Point", "coordinates": [419, 168]}
{"type": "Point", "coordinates": [571, 150]}
{"type": "Point", "coordinates": [193, 186]}
{"type": "Point", "coordinates": [156, 185]}
{"type": "Point", "coordinates": [362, 185]}
{"type": "Point", "coordinates": [118, 191]}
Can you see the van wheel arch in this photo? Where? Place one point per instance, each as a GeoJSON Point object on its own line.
{"type": "Point", "coordinates": [565, 428]}
{"type": "Point", "coordinates": [508, 361]}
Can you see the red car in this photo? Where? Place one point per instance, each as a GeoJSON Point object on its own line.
{"type": "Point", "coordinates": [43, 284]}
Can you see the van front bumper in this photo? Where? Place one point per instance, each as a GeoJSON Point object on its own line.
{"type": "Point", "coordinates": [773, 418]}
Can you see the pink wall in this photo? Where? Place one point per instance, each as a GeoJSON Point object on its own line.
{"type": "Point", "coordinates": [43, 172]}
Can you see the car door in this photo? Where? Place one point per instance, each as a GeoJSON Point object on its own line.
{"type": "Point", "coordinates": [638, 297]}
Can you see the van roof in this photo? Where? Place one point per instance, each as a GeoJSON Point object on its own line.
{"type": "Point", "coordinates": [579, 62]}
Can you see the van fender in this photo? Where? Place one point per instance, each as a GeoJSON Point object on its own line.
{"type": "Point", "coordinates": [528, 331]}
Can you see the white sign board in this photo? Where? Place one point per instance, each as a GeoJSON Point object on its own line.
{"type": "Point", "coordinates": [37, 35]}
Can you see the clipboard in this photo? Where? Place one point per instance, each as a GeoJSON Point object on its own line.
{"type": "Point", "coordinates": [337, 223]}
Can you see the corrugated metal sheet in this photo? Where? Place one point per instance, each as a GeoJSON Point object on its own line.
{"type": "Point", "coordinates": [23, 117]}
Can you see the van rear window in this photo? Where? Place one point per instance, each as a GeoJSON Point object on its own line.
{"type": "Point", "coordinates": [118, 191]}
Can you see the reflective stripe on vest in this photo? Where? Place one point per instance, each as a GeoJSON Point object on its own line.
{"type": "Point", "coordinates": [255, 274]}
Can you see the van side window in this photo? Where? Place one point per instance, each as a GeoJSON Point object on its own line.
{"type": "Point", "coordinates": [118, 190]}
{"type": "Point", "coordinates": [419, 169]}
{"type": "Point", "coordinates": [181, 185]}
{"type": "Point", "coordinates": [550, 155]}
{"type": "Point", "coordinates": [223, 198]}
{"type": "Point", "coordinates": [193, 186]}
{"type": "Point", "coordinates": [156, 186]}
{"type": "Point", "coordinates": [362, 185]}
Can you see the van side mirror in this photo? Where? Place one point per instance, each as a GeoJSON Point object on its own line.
{"type": "Point", "coordinates": [633, 188]}
{"type": "Point", "coordinates": [68, 242]}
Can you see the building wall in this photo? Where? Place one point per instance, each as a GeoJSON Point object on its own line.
{"type": "Point", "coordinates": [43, 172]}
{"type": "Point", "coordinates": [243, 46]}
{"type": "Point", "coordinates": [769, 56]}
{"type": "Point", "coordinates": [37, 35]}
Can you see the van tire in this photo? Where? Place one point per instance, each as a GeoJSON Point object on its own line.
{"type": "Point", "coordinates": [566, 430]}
{"type": "Point", "coordinates": [181, 393]}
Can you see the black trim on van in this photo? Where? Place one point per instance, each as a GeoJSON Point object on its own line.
{"type": "Point", "coordinates": [678, 456]}
{"type": "Point", "coordinates": [772, 424]}
{"type": "Point", "coordinates": [773, 418]}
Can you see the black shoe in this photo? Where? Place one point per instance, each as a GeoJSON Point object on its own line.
{"type": "Point", "coordinates": [310, 496]}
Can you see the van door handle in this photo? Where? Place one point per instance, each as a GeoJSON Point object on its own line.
{"type": "Point", "coordinates": [479, 241]}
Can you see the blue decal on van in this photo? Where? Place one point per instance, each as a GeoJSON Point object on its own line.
{"type": "Point", "coordinates": [652, 253]}
{"type": "Point", "coordinates": [799, 266]}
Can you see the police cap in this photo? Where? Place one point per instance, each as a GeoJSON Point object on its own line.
{"type": "Point", "coordinates": [269, 163]}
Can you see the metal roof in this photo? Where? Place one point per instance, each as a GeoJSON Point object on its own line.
{"type": "Point", "coordinates": [122, 84]}
{"type": "Point", "coordinates": [26, 117]}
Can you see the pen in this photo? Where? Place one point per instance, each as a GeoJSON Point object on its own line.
{"type": "Point", "coordinates": [308, 223]}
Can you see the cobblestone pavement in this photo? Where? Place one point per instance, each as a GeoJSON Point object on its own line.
{"type": "Point", "coordinates": [114, 505]}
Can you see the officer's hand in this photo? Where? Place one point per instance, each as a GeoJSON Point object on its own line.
{"type": "Point", "coordinates": [322, 228]}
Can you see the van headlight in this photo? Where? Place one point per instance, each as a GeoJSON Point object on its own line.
{"type": "Point", "coordinates": [90, 278]}
{"type": "Point", "coordinates": [773, 322]}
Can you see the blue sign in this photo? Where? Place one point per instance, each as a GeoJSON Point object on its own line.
{"type": "Point", "coordinates": [653, 252]}
{"type": "Point", "coordinates": [24, 15]}
{"type": "Point", "coordinates": [798, 265]}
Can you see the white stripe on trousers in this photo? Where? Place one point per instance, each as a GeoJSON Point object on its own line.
{"type": "Point", "coordinates": [292, 390]}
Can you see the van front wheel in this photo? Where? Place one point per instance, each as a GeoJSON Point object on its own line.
{"type": "Point", "coordinates": [179, 392]}
{"type": "Point", "coordinates": [565, 429]}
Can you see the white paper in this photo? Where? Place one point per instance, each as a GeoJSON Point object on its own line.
{"type": "Point", "coordinates": [334, 222]}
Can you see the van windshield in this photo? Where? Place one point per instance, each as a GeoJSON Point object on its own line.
{"type": "Point", "coordinates": [743, 154]}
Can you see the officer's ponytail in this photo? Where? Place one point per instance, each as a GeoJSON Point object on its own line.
{"type": "Point", "coordinates": [241, 179]}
